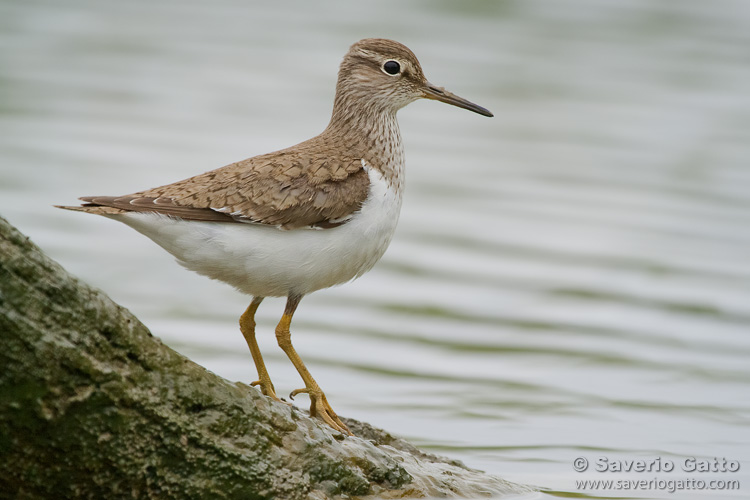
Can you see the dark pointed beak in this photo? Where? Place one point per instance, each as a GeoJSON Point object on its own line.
{"type": "Point", "coordinates": [440, 94]}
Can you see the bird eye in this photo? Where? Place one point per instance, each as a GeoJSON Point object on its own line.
{"type": "Point", "coordinates": [391, 67]}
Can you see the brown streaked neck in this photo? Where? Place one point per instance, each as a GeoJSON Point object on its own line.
{"type": "Point", "coordinates": [368, 131]}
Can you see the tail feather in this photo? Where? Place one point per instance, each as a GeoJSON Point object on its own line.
{"type": "Point", "coordinates": [116, 205]}
{"type": "Point", "coordinates": [93, 209]}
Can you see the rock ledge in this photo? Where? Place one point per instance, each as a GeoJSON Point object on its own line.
{"type": "Point", "coordinates": [93, 406]}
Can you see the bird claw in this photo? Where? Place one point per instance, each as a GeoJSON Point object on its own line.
{"type": "Point", "coordinates": [267, 389]}
{"type": "Point", "coordinates": [319, 407]}
{"type": "Point", "coordinates": [304, 390]}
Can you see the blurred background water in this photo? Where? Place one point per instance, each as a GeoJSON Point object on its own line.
{"type": "Point", "coordinates": [570, 278]}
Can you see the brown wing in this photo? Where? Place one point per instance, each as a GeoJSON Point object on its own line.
{"type": "Point", "coordinates": [290, 188]}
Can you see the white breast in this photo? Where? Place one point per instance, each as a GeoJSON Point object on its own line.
{"type": "Point", "coordinates": [269, 262]}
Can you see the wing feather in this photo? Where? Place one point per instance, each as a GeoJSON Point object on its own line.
{"type": "Point", "coordinates": [292, 188]}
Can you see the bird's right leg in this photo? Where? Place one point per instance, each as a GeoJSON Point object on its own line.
{"type": "Point", "coordinates": [319, 406]}
{"type": "Point", "coordinates": [247, 327]}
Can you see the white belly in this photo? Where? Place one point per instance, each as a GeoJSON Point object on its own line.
{"type": "Point", "coordinates": [269, 262]}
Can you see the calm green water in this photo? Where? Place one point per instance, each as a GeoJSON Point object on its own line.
{"type": "Point", "coordinates": [569, 279]}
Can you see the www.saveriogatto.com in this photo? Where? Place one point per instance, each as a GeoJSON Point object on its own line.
{"type": "Point", "coordinates": [685, 474]}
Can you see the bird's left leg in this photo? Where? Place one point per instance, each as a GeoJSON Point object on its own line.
{"type": "Point", "coordinates": [247, 327]}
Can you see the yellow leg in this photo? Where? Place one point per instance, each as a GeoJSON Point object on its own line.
{"type": "Point", "coordinates": [247, 327]}
{"type": "Point", "coordinates": [319, 406]}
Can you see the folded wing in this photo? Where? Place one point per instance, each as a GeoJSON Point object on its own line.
{"type": "Point", "coordinates": [288, 189]}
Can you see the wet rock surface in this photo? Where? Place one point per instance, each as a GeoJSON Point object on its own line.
{"type": "Point", "coordinates": [93, 406]}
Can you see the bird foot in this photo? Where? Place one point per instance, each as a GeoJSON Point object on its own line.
{"type": "Point", "coordinates": [320, 408]}
{"type": "Point", "coordinates": [267, 389]}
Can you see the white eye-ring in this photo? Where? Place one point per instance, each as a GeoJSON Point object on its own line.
{"type": "Point", "coordinates": [391, 67]}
